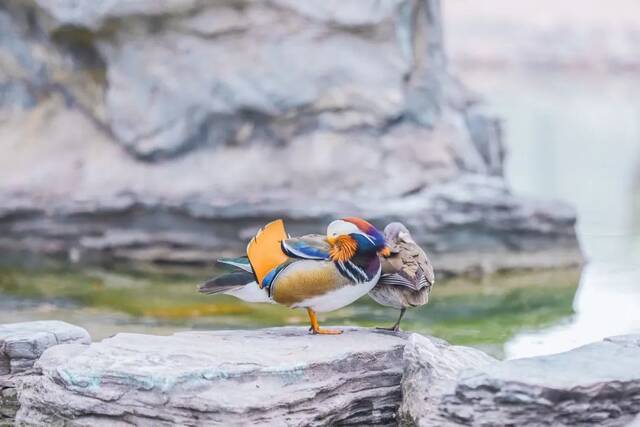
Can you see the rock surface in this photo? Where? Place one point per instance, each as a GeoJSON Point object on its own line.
{"type": "Point", "coordinates": [471, 224]}
{"type": "Point", "coordinates": [280, 376]}
{"type": "Point", "coordinates": [430, 375]}
{"type": "Point", "coordinates": [285, 376]}
{"type": "Point", "coordinates": [21, 345]}
{"type": "Point", "coordinates": [598, 384]}
{"type": "Point", "coordinates": [163, 131]}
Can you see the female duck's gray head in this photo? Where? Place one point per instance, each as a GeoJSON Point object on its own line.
{"type": "Point", "coordinates": [393, 230]}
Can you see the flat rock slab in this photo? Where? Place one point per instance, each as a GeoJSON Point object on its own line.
{"type": "Point", "coordinates": [281, 376]}
{"type": "Point", "coordinates": [597, 384]}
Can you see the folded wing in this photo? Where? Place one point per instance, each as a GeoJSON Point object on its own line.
{"type": "Point", "coordinates": [407, 266]}
{"type": "Point", "coordinates": [311, 246]}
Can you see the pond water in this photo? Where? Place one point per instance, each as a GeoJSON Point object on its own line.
{"type": "Point", "coordinates": [575, 138]}
{"type": "Point", "coordinates": [483, 313]}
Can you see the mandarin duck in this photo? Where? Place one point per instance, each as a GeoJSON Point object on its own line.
{"type": "Point", "coordinates": [318, 273]}
{"type": "Point", "coordinates": [407, 274]}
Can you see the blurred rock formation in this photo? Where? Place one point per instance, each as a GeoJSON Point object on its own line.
{"type": "Point", "coordinates": [168, 131]}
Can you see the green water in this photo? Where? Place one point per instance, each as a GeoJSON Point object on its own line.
{"type": "Point", "coordinates": [484, 313]}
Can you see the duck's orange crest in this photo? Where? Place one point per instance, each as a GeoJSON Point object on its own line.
{"type": "Point", "coordinates": [359, 222]}
{"type": "Point", "coordinates": [343, 249]}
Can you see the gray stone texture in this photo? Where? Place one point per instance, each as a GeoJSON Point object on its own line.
{"type": "Point", "coordinates": [280, 376]}
{"type": "Point", "coordinates": [598, 384]}
{"type": "Point", "coordinates": [165, 131]}
{"type": "Point", "coordinates": [285, 376]}
{"type": "Point", "coordinates": [21, 345]}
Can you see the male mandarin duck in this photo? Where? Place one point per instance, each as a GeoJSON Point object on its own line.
{"type": "Point", "coordinates": [314, 272]}
{"type": "Point", "coordinates": [407, 274]}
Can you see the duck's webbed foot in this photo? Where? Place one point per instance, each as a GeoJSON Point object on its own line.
{"type": "Point", "coordinates": [396, 326]}
{"type": "Point", "coordinates": [315, 327]}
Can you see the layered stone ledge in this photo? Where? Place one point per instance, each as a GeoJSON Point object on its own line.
{"type": "Point", "coordinates": [284, 376]}
{"type": "Point", "coordinates": [597, 384]}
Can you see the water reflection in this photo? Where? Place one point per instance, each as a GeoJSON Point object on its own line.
{"type": "Point", "coordinates": [480, 312]}
{"type": "Point", "coordinates": [607, 303]}
{"type": "Point", "coordinates": [577, 137]}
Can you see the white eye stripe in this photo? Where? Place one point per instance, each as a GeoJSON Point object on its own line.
{"type": "Point", "coordinates": [339, 227]}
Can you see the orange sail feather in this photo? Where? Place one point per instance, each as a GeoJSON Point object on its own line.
{"type": "Point", "coordinates": [265, 251]}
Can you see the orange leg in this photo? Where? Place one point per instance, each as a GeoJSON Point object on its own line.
{"type": "Point", "coordinates": [315, 327]}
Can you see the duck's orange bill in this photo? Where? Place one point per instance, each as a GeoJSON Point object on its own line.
{"type": "Point", "coordinates": [265, 251]}
{"type": "Point", "coordinates": [385, 252]}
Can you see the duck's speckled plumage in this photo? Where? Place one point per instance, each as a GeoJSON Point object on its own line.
{"type": "Point", "coordinates": [407, 274]}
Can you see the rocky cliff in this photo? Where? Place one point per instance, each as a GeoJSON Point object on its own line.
{"type": "Point", "coordinates": [166, 131]}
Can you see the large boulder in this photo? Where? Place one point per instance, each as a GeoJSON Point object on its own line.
{"type": "Point", "coordinates": [179, 127]}
{"type": "Point", "coordinates": [598, 384]}
{"type": "Point", "coordinates": [21, 345]}
{"type": "Point", "coordinates": [280, 376]}
{"type": "Point", "coordinates": [431, 371]}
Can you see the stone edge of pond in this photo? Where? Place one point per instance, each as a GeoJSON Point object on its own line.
{"type": "Point", "coordinates": [285, 374]}
{"type": "Point", "coordinates": [470, 225]}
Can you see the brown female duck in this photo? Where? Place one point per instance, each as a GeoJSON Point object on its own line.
{"type": "Point", "coordinates": [407, 274]}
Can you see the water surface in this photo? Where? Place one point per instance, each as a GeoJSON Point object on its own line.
{"type": "Point", "coordinates": [576, 137]}
{"type": "Point", "coordinates": [480, 312]}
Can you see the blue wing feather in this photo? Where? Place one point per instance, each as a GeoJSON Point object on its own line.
{"type": "Point", "coordinates": [271, 276]}
{"type": "Point", "coordinates": [308, 247]}
{"type": "Point", "coordinates": [240, 262]}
